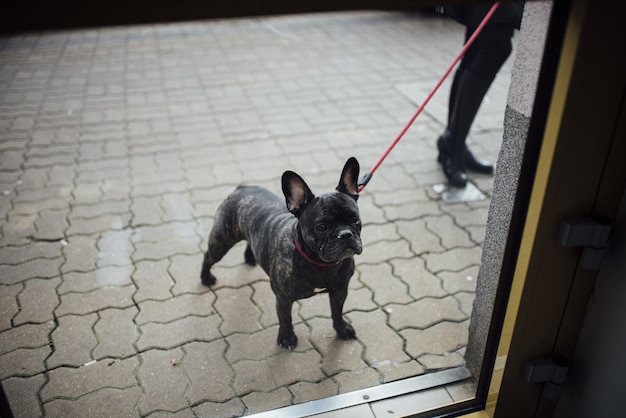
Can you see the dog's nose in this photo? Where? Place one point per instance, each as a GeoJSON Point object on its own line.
{"type": "Point", "coordinates": [345, 234]}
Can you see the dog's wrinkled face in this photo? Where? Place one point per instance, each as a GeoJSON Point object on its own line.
{"type": "Point", "coordinates": [331, 225]}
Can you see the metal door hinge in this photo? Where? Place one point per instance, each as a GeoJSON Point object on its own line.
{"type": "Point", "coordinates": [552, 372]}
{"type": "Point", "coordinates": [591, 233]}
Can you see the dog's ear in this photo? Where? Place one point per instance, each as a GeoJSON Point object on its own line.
{"type": "Point", "coordinates": [348, 183]}
{"type": "Point", "coordinates": [296, 191]}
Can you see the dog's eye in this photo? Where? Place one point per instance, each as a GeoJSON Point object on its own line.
{"type": "Point", "coordinates": [321, 227]}
{"type": "Point", "coordinates": [356, 220]}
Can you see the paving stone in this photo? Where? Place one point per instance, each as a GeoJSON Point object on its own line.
{"type": "Point", "coordinates": [23, 362]}
{"type": "Point", "coordinates": [337, 354]}
{"type": "Point", "coordinates": [175, 307]}
{"type": "Point", "coordinates": [146, 210]}
{"type": "Point", "coordinates": [8, 305]}
{"type": "Point", "coordinates": [461, 281]}
{"type": "Point", "coordinates": [177, 207]}
{"type": "Point", "coordinates": [307, 391]}
{"type": "Point", "coordinates": [51, 225]}
{"type": "Point", "coordinates": [385, 286]}
{"type": "Point", "coordinates": [96, 300]}
{"type": "Point", "coordinates": [382, 251]}
{"type": "Point", "coordinates": [73, 383]}
{"type": "Point", "coordinates": [449, 233]}
{"type": "Point", "coordinates": [106, 402]}
{"type": "Point", "coordinates": [286, 368]}
{"type": "Point", "coordinates": [424, 313]}
{"type": "Point", "coordinates": [86, 193]}
{"type": "Point", "coordinates": [22, 395]}
{"type": "Point", "coordinates": [80, 253]}
{"type": "Point", "coordinates": [25, 336]}
{"type": "Point", "coordinates": [163, 383]}
{"type": "Point", "coordinates": [411, 210]}
{"type": "Point", "coordinates": [92, 280]}
{"type": "Point", "coordinates": [350, 381]}
{"type": "Point", "coordinates": [262, 344]}
{"type": "Point", "coordinates": [98, 224]}
{"type": "Point", "coordinates": [237, 310]}
{"type": "Point", "coordinates": [445, 361]}
{"type": "Point", "coordinates": [422, 240]}
{"type": "Point", "coordinates": [381, 342]}
{"type": "Point", "coordinates": [171, 247]}
{"type": "Point", "coordinates": [232, 408]}
{"type": "Point", "coordinates": [263, 297]}
{"type": "Point", "coordinates": [73, 341]}
{"type": "Point", "coordinates": [444, 337]}
{"type": "Point", "coordinates": [421, 282]}
{"type": "Point", "coordinates": [16, 255]}
{"type": "Point", "coordinates": [39, 267]}
{"type": "Point", "coordinates": [116, 333]}
{"type": "Point", "coordinates": [118, 207]}
{"type": "Point", "coordinates": [466, 301]}
{"type": "Point", "coordinates": [152, 280]}
{"type": "Point", "coordinates": [211, 376]}
{"type": "Point", "coordinates": [258, 402]}
{"type": "Point", "coordinates": [172, 334]}
{"type": "Point", "coordinates": [37, 301]}
{"type": "Point", "coordinates": [19, 229]}
{"type": "Point", "coordinates": [455, 259]}
{"type": "Point", "coordinates": [164, 231]}
{"type": "Point", "coordinates": [115, 247]}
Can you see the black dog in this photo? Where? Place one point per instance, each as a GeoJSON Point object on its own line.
{"type": "Point", "coordinates": [306, 247]}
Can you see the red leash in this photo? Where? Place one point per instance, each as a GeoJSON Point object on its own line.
{"type": "Point", "coordinates": [368, 175]}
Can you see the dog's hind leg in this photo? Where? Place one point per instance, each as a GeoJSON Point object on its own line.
{"type": "Point", "coordinates": [219, 244]}
{"type": "Point", "coordinates": [248, 256]}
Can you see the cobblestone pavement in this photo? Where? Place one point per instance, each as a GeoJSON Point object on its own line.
{"type": "Point", "coordinates": [117, 145]}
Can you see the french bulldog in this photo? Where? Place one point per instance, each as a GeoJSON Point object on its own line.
{"type": "Point", "coordinates": [305, 246]}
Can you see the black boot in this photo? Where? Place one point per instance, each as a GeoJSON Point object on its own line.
{"type": "Point", "coordinates": [466, 95]}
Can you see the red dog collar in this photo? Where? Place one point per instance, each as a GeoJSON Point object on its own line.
{"type": "Point", "coordinates": [307, 258]}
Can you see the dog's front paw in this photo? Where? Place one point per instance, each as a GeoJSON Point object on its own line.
{"type": "Point", "coordinates": [345, 331]}
{"type": "Point", "coordinates": [287, 340]}
{"type": "Point", "coordinates": [207, 278]}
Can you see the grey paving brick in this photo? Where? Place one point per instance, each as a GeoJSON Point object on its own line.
{"type": "Point", "coordinates": [16, 255]}
{"type": "Point", "coordinates": [453, 260]}
{"type": "Point", "coordinates": [22, 392]}
{"type": "Point", "coordinates": [386, 287]}
{"type": "Point", "coordinates": [37, 301]}
{"type": "Point", "coordinates": [80, 253]}
{"type": "Point", "coordinates": [450, 234]}
{"type": "Point", "coordinates": [175, 307]}
{"type": "Point", "coordinates": [422, 239]}
{"type": "Point", "coordinates": [421, 282]}
{"type": "Point", "coordinates": [337, 354]}
{"type": "Point", "coordinates": [116, 333]}
{"type": "Point", "coordinates": [444, 337]}
{"type": "Point", "coordinates": [385, 250]}
{"type": "Point", "coordinates": [25, 336]}
{"type": "Point", "coordinates": [459, 281]}
{"type": "Point", "coordinates": [259, 401]}
{"type": "Point", "coordinates": [73, 341]}
{"type": "Point", "coordinates": [115, 247]}
{"type": "Point", "coordinates": [171, 247]}
{"type": "Point", "coordinates": [210, 375]}
{"type": "Point", "coordinates": [424, 313]}
{"type": "Point", "coordinates": [180, 331]}
{"type": "Point", "coordinates": [307, 391]}
{"type": "Point", "coordinates": [368, 377]}
{"type": "Point", "coordinates": [24, 362]}
{"type": "Point", "coordinates": [382, 343]}
{"type": "Point", "coordinates": [82, 282]}
{"type": "Point", "coordinates": [102, 298]}
{"type": "Point", "coordinates": [232, 408]}
{"type": "Point", "coordinates": [185, 270]}
{"type": "Point", "coordinates": [106, 402]}
{"type": "Point", "coordinates": [152, 280]}
{"type": "Point", "coordinates": [8, 305]}
{"type": "Point", "coordinates": [73, 383]}
{"type": "Point", "coordinates": [444, 361]}
{"type": "Point", "coordinates": [36, 268]}
{"type": "Point", "coordinates": [147, 210]}
{"type": "Point", "coordinates": [237, 310]}
{"type": "Point", "coordinates": [98, 224]}
{"type": "Point", "coordinates": [162, 380]}
{"type": "Point", "coordinates": [284, 369]}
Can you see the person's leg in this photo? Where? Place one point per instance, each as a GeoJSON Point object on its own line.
{"type": "Point", "coordinates": [472, 80]}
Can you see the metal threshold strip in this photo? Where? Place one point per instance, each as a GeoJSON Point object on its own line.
{"type": "Point", "coordinates": [373, 394]}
